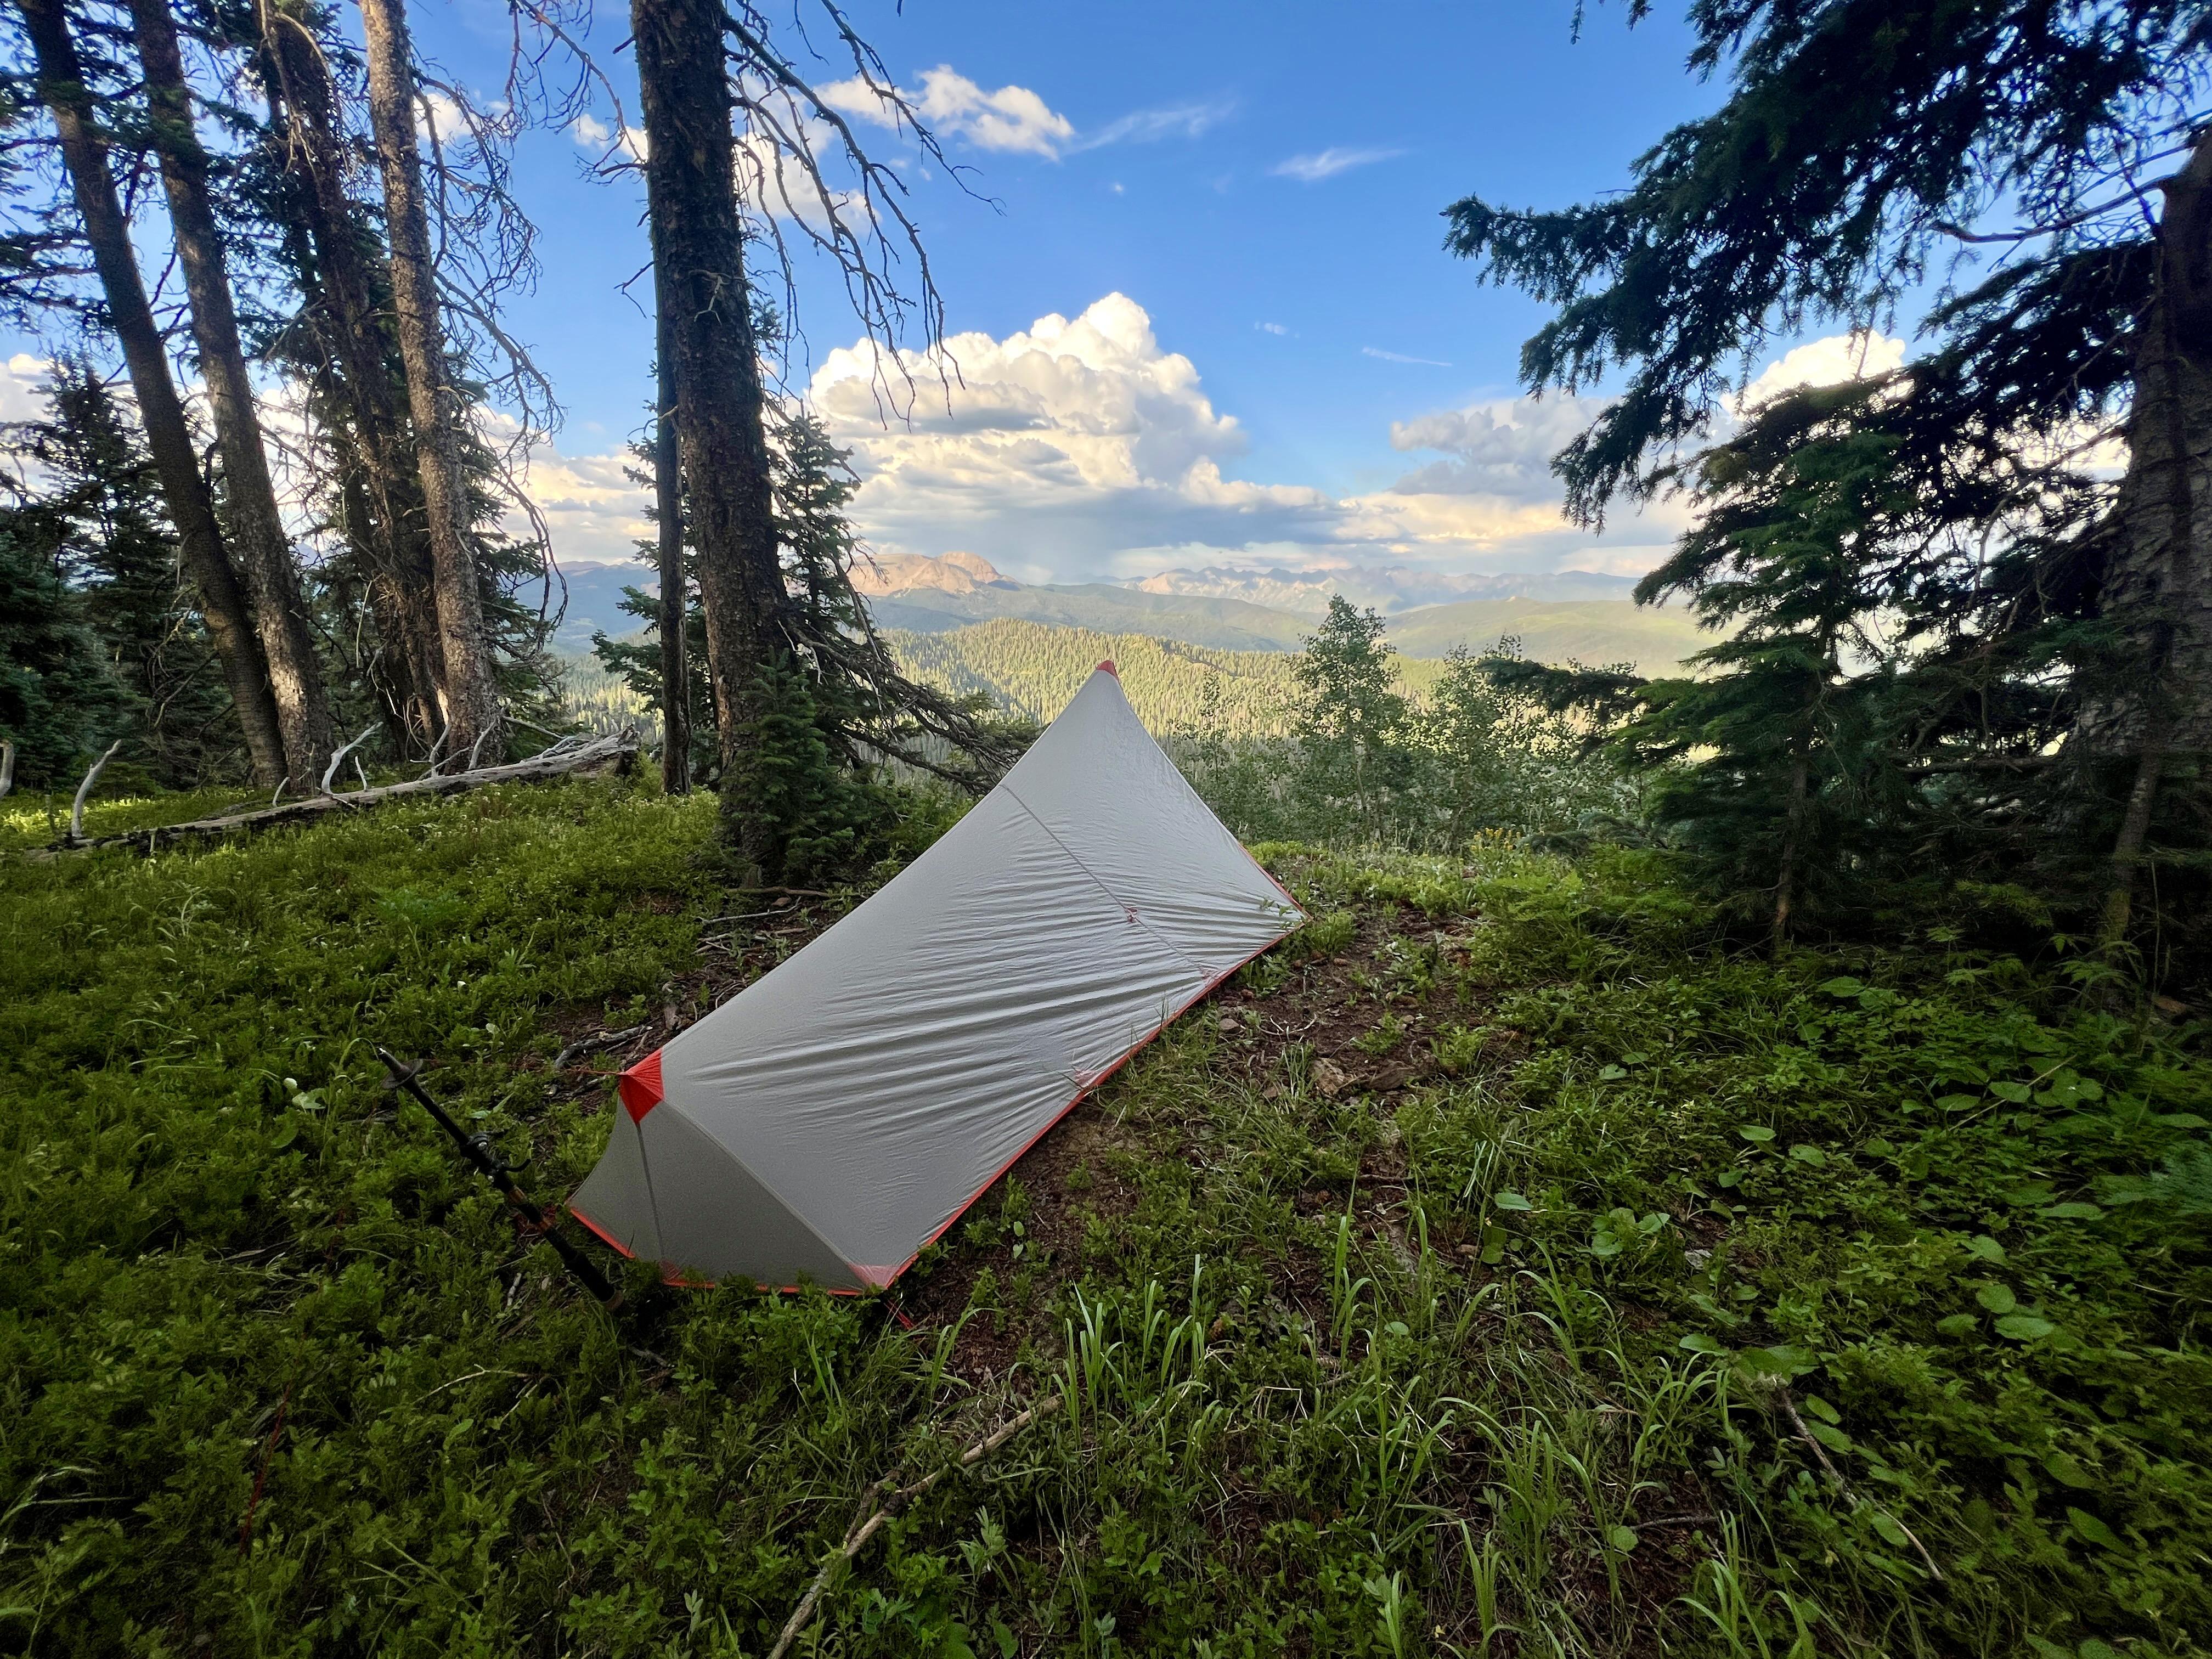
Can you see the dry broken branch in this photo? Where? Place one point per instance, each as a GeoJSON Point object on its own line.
{"type": "Point", "coordinates": [885, 1503]}
{"type": "Point", "coordinates": [614, 753]}
{"type": "Point", "coordinates": [1850, 1493]}
{"type": "Point", "coordinates": [583, 1045]}
{"type": "Point", "coordinates": [77, 808]}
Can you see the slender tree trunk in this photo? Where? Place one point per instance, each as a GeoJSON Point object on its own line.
{"type": "Point", "coordinates": [668, 509]}
{"type": "Point", "coordinates": [256, 525]}
{"type": "Point", "coordinates": [2158, 583]}
{"type": "Point", "coordinates": [472, 704]}
{"type": "Point", "coordinates": [1793, 836]}
{"type": "Point", "coordinates": [338, 260]}
{"type": "Point", "coordinates": [168, 439]}
{"type": "Point", "coordinates": [699, 254]}
{"type": "Point", "coordinates": [2127, 850]}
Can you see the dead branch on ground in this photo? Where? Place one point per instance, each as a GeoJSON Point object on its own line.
{"type": "Point", "coordinates": [570, 757]}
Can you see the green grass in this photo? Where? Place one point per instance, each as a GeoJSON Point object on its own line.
{"type": "Point", "coordinates": [1451, 1300]}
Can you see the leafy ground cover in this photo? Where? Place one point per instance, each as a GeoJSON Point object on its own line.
{"type": "Point", "coordinates": [1500, 1268]}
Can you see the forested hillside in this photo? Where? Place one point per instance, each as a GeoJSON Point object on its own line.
{"type": "Point", "coordinates": [1031, 670]}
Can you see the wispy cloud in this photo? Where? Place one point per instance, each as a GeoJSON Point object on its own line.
{"type": "Point", "coordinates": [1271, 328]}
{"type": "Point", "coordinates": [1400, 357]}
{"type": "Point", "coordinates": [1149, 126]}
{"type": "Point", "coordinates": [1327, 163]}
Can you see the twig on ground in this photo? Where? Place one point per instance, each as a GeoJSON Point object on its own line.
{"type": "Point", "coordinates": [1851, 1493]}
{"type": "Point", "coordinates": [338, 760]}
{"type": "Point", "coordinates": [261, 1473]}
{"type": "Point", "coordinates": [583, 1045]}
{"type": "Point", "coordinates": [870, 1519]}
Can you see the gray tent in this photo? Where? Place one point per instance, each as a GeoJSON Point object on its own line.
{"type": "Point", "coordinates": [839, 1114]}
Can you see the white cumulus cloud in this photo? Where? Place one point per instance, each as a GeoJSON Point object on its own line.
{"type": "Point", "coordinates": [593, 134]}
{"type": "Point", "coordinates": [1081, 448]}
{"type": "Point", "coordinates": [1012, 119]}
{"type": "Point", "coordinates": [22, 387]}
{"type": "Point", "coordinates": [1829, 361]}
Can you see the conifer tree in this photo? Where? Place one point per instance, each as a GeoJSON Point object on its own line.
{"type": "Point", "coordinates": [58, 702]}
{"type": "Point", "coordinates": [1864, 149]}
{"type": "Point", "coordinates": [1354, 720]}
{"type": "Point", "coordinates": [101, 514]}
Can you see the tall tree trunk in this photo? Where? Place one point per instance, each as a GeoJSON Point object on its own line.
{"type": "Point", "coordinates": [1793, 836]}
{"type": "Point", "coordinates": [699, 254]}
{"type": "Point", "coordinates": [337, 267]}
{"type": "Point", "coordinates": [668, 510]}
{"type": "Point", "coordinates": [167, 438]}
{"type": "Point", "coordinates": [2158, 582]}
{"type": "Point", "coordinates": [256, 525]}
{"type": "Point", "coordinates": [472, 705]}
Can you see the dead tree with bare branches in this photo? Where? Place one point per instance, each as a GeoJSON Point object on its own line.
{"type": "Point", "coordinates": [255, 527]}
{"type": "Point", "coordinates": [65, 88]}
{"type": "Point", "coordinates": [472, 708]}
{"type": "Point", "coordinates": [798, 677]}
{"type": "Point", "coordinates": [342, 347]}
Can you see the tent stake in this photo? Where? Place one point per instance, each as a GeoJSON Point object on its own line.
{"type": "Point", "coordinates": [531, 1220]}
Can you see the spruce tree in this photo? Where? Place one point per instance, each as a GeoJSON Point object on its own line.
{"type": "Point", "coordinates": [1354, 723]}
{"type": "Point", "coordinates": [58, 703]}
{"type": "Point", "coordinates": [2042, 164]}
{"type": "Point", "coordinates": [100, 514]}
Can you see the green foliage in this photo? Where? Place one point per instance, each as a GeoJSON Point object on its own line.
{"type": "Point", "coordinates": [787, 799]}
{"type": "Point", "coordinates": [1031, 670]}
{"type": "Point", "coordinates": [103, 642]}
{"type": "Point", "coordinates": [1857, 139]}
{"type": "Point", "coordinates": [1486, 1361]}
{"type": "Point", "coordinates": [1352, 721]}
{"type": "Point", "coordinates": [1368, 763]}
{"type": "Point", "coordinates": [1984, 580]}
{"type": "Point", "coordinates": [58, 701]}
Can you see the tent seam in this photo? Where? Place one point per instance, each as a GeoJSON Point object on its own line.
{"type": "Point", "coordinates": [1098, 881]}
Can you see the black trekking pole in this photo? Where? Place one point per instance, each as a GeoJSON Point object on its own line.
{"type": "Point", "coordinates": [533, 1221]}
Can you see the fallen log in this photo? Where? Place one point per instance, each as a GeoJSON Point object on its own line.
{"type": "Point", "coordinates": [616, 752]}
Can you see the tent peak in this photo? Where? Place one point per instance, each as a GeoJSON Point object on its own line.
{"type": "Point", "coordinates": [641, 1086]}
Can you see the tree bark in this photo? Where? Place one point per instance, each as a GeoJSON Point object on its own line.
{"type": "Point", "coordinates": [1793, 827]}
{"type": "Point", "coordinates": [256, 525]}
{"type": "Point", "coordinates": [698, 253]}
{"type": "Point", "coordinates": [668, 509]}
{"type": "Point", "coordinates": [2158, 581]}
{"type": "Point", "coordinates": [168, 439]}
{"type": "Point", "coordinates": [338, 264]}
{"type": "Point", "coordinates": [471, 696]}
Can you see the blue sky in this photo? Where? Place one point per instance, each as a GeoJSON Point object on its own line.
{"type": "Point", "coordinates": [1256, 350]}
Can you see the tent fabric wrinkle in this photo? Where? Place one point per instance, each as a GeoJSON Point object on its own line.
{"type": "Point", "coordinates": [834, 1118]}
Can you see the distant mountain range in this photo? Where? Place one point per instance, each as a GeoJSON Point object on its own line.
{"type": "Point", "coordinates": [1568, 614]}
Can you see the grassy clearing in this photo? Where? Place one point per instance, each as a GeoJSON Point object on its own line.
{"type": "Point", "coordinates": [1479, 1273]}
